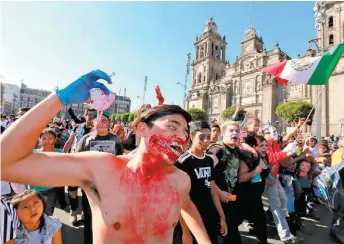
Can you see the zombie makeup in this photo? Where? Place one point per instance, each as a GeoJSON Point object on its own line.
{"type": "Point", "coordinates": [274, 133]}
{"type": "Point", "coordinates": [168, 149]}
{"type": "Point", "coordinates": [231, 136]}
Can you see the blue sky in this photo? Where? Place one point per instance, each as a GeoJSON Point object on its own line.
{"type": "Point", "coordinates": [46, 42]}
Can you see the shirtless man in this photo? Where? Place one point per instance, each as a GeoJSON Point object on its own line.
{"type": "Point", "coordinates": [134, 199]}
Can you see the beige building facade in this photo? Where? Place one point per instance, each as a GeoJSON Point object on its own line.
{"type": "Point", "coordinates": [218, 84]}
{"type": "Point", "coordinates": [329, 23]}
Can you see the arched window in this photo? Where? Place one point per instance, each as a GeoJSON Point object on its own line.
{"type": "Point", "coordinates": [199, 77]}
{"type": "Point", "coordinates": [216, 76]}
{"type": "Point", "coordinates": [330, 22]}
{"type": "Point", "coordinates": [331, 39]}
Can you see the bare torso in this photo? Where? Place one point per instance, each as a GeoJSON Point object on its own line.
{"type": "Point", "coordinates": [132, 209]}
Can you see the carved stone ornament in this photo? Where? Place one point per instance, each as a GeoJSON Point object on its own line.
{"type": "Point", "coordinates": [295, 91]}
{"type": "Point", "coordinates": [248, 87]}
{"type": "Point", "coordinates": [268, 80]}
{"type": "Point", "coordinates": [258, 85]}
{"type": "Point", "coordinates": [320, 13]}
{"type": "Point", "coordinates": [216, 103]}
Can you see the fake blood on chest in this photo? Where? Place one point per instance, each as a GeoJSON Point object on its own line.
{"type": "Point", "coordinates": [153, 205]}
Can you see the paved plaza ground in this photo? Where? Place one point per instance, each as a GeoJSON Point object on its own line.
{"type": "Point", "coordinates": [316, 232]}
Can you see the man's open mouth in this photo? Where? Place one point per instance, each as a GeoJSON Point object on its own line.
{"type": "Point", "coordinates": [177, 148]}
{"type": "Point", "coordinates": [234, 138]}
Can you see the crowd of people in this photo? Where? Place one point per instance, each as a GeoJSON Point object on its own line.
{"type": "Point", "coordinates": [163, 178]}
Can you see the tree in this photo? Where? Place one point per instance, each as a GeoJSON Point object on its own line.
{"type": "Point", "coordinates": [291, 111]}
{"type": "Point", "coordinates": [197, 114]}
{"type": "Point", "coordinates": [132, 117]}
{"type": "Point", "coordinates": [118, 117]}
{"type": "Point", "coordinates": [229, 111]}
{"type": "Point", "coordinates": [113, 117]}
{"type": "Point", "coordinates": [125, 117]}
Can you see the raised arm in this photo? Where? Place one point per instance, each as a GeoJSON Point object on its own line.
{"type": "Point", "coordinates": [20, 164]}
{"type": "Point", "coordinates": [73, 116]}
{"type": "Point", "coordinates": [69, 142]}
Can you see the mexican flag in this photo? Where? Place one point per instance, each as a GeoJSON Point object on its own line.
{"type": "Point", "coordinates": [306, 70]}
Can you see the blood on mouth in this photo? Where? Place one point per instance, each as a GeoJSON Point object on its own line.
{"type": "Point", "coordinates": [167, 147]}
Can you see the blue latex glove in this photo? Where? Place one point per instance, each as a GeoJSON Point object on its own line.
{"type": "Point", "coordinates": [79, 90]}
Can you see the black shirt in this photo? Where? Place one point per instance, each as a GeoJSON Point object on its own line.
{"type": "Point", "coordinates": [225, 173]}
{"type": "Point", "coordinates": [200, 172]}
{"type": "Point", "coordinates": [110, 143]}
{"type": "Point", "coordinates": [130, 143]}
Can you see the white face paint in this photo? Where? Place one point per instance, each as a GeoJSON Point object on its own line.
{"type": "Point", "coordinates": [274, 133]}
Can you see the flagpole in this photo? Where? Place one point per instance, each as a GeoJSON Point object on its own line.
{"type": "Point", "coordinates": [309, 115]}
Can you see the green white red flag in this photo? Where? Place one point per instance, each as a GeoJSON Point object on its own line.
{"type": "Point", "coordinates": [306, 70]}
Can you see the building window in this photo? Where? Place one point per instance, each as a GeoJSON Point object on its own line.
{"type": "Point", "coordinates": [216, 76]}
{"type": "Point", "coordinates": [331, 39]}
{"type": "Point", "coordinates": [203, 78]}
{"type": "Point", "coordinates": [330, 22]}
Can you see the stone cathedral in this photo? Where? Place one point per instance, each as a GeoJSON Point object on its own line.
{"type": "Point", "coordinates": [218, 84]}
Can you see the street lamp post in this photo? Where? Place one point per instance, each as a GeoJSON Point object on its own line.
{"type": "Point", "coordinates": [185, 88]}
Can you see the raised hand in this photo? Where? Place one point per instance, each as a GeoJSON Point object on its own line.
{"type": "Point", "coordinates": [79, 90]}
{"type": "Point", "coordinates": [159, 96]}
{"type": "Point", "coordinates": [291, 148]}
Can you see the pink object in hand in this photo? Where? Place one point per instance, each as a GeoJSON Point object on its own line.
{"type": "Point", "coordinates": [99, 100]}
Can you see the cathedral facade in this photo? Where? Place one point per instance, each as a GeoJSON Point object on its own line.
{"type": "Point", "coordinates": [329, 23]}
{"type": "Point", "coordinates": [218, 84]}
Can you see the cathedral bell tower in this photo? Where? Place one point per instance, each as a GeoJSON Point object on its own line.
{"type": "Point", "coordinates": [210, 55]}
{"type": "Point", "coordinates": [251, 41]}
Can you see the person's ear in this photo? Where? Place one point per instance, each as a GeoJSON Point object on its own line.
{"type": "Point", "coordinates": [142, 129]}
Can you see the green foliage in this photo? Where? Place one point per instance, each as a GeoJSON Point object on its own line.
{"type": "Point", "coordinates": [197, 114]}
{"type": "Point", "coordinates": [293, 110]}
{"type": "Point", "coordinates": [228, 113]}
{"type": "Point", "coordinates": [113, 117]}
{"type": "Point", "coordinates": [125, 117]}
{"type": "Point", "coordinates": [132, 117]}
{"type": "Point", "coordinates": [118, 117]}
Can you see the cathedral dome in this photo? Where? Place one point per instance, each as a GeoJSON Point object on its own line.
{"type": "Point", "coordinates": [210, 26]}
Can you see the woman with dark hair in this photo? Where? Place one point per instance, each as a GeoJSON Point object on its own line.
{"type": "Point", "coordinates": [252, 174]}
{"type": "Point", "coordinates": [36, 227]}
{"type": "Point", "coordinates": [304, 205]}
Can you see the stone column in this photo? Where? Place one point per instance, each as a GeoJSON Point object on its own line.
{"type": "Point", "coordinates": [196, 51]}
{"type": "Point", "coordinates": [269, 98]}
{"type": "Point", "coordinates": [223, 53]}
{"type": "Point", "coordinates": [209, 47]}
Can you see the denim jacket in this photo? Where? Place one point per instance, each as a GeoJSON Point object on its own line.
{"type": "Point", "coordinates": [52, 224]}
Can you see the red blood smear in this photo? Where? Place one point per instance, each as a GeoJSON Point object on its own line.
{"type": "Point", "coordinates": [161, 144]}
{"type": "Point", "coordinates": [151, 200]}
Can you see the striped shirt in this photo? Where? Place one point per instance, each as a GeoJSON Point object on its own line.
{"type": "Point", "coordinates": [8, 221]}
